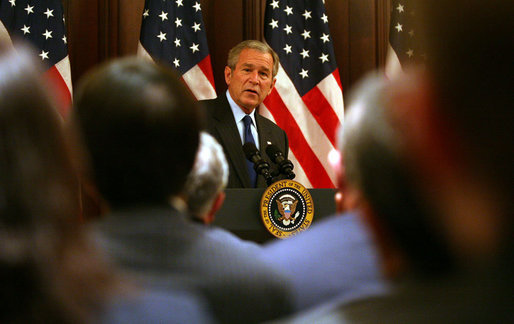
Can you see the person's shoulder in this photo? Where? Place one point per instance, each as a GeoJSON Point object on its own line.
{"type": "Point", "coordinates": [151, 306]}
{"type": "Point", "coordinates": [266, 121]}
{"type": "Point", "coordinates": [230, 240]}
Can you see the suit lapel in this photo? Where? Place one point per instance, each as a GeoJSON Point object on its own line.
{"type": "Point", "coordinates": [226, 127]}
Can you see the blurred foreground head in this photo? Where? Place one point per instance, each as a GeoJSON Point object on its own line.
{"type": "Point", "coordinates": [48, 273]}
{"type": "Point", "coordinates": [377, 181]}
{"type": "Point", "coordinates": [456, 118]}
{"type": "Point", "coordinates": [205, 185]}
{"type": "Point", "coordinates": [140, 127]}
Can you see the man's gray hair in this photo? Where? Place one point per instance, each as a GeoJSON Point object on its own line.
{"type": "Point", "coordinates": [207, 179]}
{"type": "Point", "coordinates": [233, 54]}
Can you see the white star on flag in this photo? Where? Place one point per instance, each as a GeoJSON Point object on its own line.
{"type": "Point", "coordinates": [29, 9]}
{"type": "Point", "coordinates": [161, 36]}
{"type": "Point", "coordinates": [324, 58]}
{"type": "Point", "coordinates": [26, 30]}
{"type": "Point", "coordinates": [196, 27]}
{"type": "Point", "coordinates": [47, 34]}
{"type": "Point", "coordinates": [48, 13]}
{"type": "Point", "coordinates": [44, 55]}
{"type": "Point", "coordinates": [163, 15]}
{"type": "Point", "coordinates": [194, 47]}
{"type": "Point", "coordinates": [306, 34]}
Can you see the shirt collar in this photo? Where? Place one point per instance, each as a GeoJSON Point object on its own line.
{"type": "Point", "coordinates": [238, 112]}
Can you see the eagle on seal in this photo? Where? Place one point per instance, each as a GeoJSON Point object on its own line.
{"type": "Point", "coordinates": [286, 208]}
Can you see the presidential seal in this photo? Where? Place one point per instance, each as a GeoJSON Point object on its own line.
{"type": "Point", "coordinates": [286, 208]}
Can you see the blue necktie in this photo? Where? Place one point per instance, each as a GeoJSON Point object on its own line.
{"type": "Point", "coordinates": [248, 138]}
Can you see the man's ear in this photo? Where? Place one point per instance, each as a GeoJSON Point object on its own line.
{"type": "Point", "coordinates": [216, 205]}
{"type": "Point", "coordinates": [228, 74]}
{"type": "Point", "coordinates": [272, 85]}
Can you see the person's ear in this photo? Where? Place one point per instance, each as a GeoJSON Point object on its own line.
{"type": "Point", "coordinates": [216, 206]}
{"type": "Point", "coordinates": [228, 74]}
{"type": "Point", "coordinates": [392, 259]}
{"type": "Point", "coordinates": [272, 85]}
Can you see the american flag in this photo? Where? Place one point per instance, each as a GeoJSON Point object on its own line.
{"type": "Point", "coordinates": [173, 32]}
{"type": "Point", "coordinates": [403, 45]}
{"type": "Point", "coordinates": [42, 24]}
{"type": "Point", "coordinates": [307, 101]}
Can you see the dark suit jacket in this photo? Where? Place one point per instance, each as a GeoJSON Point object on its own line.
{"type": "Point", "coordinates": [221, 125]}
{"type": "Point", "coordinates": [482, 297]}
{"type": "Point", "coordinates": [161, 248]}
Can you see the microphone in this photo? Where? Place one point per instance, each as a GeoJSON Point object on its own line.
{"type": "Point", "coordinates": [284, 165]}
{"type": "Point", "coordinates": [260, 166]}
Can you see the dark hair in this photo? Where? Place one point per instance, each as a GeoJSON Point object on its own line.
{"type": "Point", "coordinates": [376, 166]}
{"type": "Point", "coordinates": [48, 271]}
{"type": "Point", "coordinates": [140, 127]}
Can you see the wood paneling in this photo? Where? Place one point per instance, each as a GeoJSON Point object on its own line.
{"type": "Point", "coordinates": [83, 25]}
{"type": "Point", "coordinates": [129, 19]}
{"type": "Point", "coordinates": [223, 21]}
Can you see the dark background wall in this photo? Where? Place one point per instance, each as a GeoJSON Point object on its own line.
{"type": "Point", "coordinates": [102, 29]}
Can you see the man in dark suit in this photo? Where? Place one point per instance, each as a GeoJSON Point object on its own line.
{"type": "Point", "coordinates": [250, 76]}
{"type": "Point", "coordinates": [141, 131]}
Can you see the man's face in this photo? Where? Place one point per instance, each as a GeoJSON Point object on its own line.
{"type": "Point", "coordinates": [251, 80]}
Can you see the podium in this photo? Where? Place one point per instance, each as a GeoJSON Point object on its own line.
{"type": "Point", "coordinates": [240, 214]}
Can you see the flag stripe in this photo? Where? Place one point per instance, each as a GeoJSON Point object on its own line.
{"type": "Point", "coordinates": [322, 112]}
{"type": "Point", "coordinates": [198, 83]}
{"type": "Point", "coordinates": [317, 174]}
{"type": "Point", "coordinates": [206, 67]}
{"type": "Point", "coordinates": [298, 170]}
{"type": "Point", "coordinates": [332, 89]}
{"type": "Point", "coordinates": [308, 86]}
{"type": "Point", "coordinates": [60, 90]}
{"type": "Point", "coordinates": [393, 66]}
{"type": "Point", "coordinates": [311, 132]}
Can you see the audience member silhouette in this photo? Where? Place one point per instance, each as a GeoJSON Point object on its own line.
{"type": "Point", "coordinates": [452, 121]}
{"type": "Point", "coordinates": [141, 130]}
{"type": "Point", "coordinates": [49, 271]}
